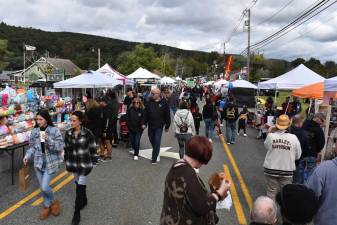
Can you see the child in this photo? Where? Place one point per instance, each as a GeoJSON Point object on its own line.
{"type": "Point", "coordinates": [243, 120]}
{"type": "Point", "coordinates": [197, 116]}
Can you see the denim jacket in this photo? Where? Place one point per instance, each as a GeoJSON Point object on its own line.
{"type": "Point", "coordinates": [53, 148]}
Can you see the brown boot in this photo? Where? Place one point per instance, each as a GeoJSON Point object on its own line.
{"type": "Point", "coordinates": [44, 213]}
{"type": "Point", "coordinates": [55, 208]}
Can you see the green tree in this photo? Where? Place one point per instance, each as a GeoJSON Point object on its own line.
{"type": "Point", "coordinates": [297, 62]}
{"type": "Point", "coordinates": [4, 54]}
{"type": "Point", "coordinates": [315, 65]}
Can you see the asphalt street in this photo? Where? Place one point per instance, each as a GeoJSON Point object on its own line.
{"type": "Point", "coordinates": [129, 192]}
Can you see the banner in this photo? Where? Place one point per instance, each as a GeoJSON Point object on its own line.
{"type": "Point", "coordinates": [228, 67]}
{"type": "Point", "coordinates": [30, 48]}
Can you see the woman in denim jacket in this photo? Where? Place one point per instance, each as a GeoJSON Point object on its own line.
{"type": "Point", "coordinates": [46, 146]}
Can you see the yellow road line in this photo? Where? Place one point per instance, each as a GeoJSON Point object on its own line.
{"type": "Point", "coordinates": [55, 189]}
{"type": "Point", "coordinates": [29, 197]}
{"type": "Point", "coordinates": [236, 201]}
{"type": "Point", "coordinates": [243, 185]}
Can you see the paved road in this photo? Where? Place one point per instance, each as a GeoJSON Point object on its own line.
{"type": "Point", "coordinates": [130, 192]}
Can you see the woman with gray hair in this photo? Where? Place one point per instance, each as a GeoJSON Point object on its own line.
{"type": "Point", "coordinates": [323, 182]}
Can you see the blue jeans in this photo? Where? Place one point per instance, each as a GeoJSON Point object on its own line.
{"type": "Point", "coordinates": [209, 129]}
{"type": "Point", "coordinates": [155, 139]}
{"type": "Point", "coordinates": [80, 179]}
{"type": "Point", "coordinates": [304, 169]}
{"type": "Point", "coordinates": [135, 141]}
{"type": "Point", "coordinates": [44, 179]}
{"type": "Point", "coordinates": [173, 110]}
{"type": "Point", "coordinates": [230, 131]}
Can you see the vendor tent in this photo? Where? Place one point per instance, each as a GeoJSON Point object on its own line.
{"type": "Point", "coordinates": [296, 78]}
{"type": "Point", "coordinates": [108, 70]}
{"type": "Point", "coordinates": [312, 91]}
{"type": "Point", "coordinates": [142, 73]}
{"type": "Point", "coordinates": [330, 84]}
{"type": "Point", "coordinates": [90, 79]}
{"type": "Point", "coordinates": [243, 84]}
{"type": "Point", "coordinates": [167, 80]}
{"type": "Point", "coordinates": [220, 82]}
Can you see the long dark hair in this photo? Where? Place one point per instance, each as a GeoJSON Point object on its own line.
{"type": "Point", "coordinates": [45, 114]}
{"type": "Point", "coordinates": [81, 117]}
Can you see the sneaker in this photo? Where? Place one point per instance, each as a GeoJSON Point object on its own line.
{"type": "Point", "coordinates": [221, 125]}
{"type": "Point", "coordinates": [239, 134]}
{"type": "Point", "coordinates": [210, 140]}
{"type": "Point", "coordinates": [115, 145]}
{"type": "Point", "coordinates": [158, 159]}
{"type": "Point", "coordinates": [108, 158]}
{"type": "Point", "coordinates": [153, 162]}
{"type": "Point", "coordinates": [233, 142]}
{"type": "Point", "coordinates": [228, 143]}
{"type": "Point", "coordinates": [135, 157]}
{"type": "Point", "coordinates": [101, 159]}
{"type": "Point", "coordinates": [245, 135]}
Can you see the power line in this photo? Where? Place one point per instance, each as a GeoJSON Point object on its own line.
{"type": "Point", "coordinates": [269, 42]}
{"type": "Point", "coordinates": [275, 14]}
{"type": "Point", "coordinates": [297, 19]}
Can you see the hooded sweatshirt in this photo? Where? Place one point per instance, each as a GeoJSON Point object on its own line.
{"type": "Point", "coordinates": [184, 116]}
{"type": "Point", "coordinates": [283, 149]}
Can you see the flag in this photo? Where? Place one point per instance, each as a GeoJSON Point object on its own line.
{"type": "Point", "coordinates": [30, 48]}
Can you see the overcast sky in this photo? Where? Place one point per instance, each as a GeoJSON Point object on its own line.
{"type": "Point", "coordinates": [188, 24]}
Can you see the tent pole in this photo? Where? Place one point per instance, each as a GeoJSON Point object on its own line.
{"type": "Point", "coordinates": [275, 96]}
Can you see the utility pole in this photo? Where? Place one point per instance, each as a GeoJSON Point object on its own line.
{"type": "Point", "coordinates": [224, 60]}
{"type": "Point", "coordinates": [99, 58]}
{"type": "Point", "coordinates": [24, 63]}
{"type": "Point", "coordinates": [248, 48]}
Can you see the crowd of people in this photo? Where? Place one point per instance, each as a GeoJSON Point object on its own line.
{"type": "Point", "coordinates": [293, 152]}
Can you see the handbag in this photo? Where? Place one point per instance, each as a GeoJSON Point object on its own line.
{"type": "Point", "coordinates": [24, 178]}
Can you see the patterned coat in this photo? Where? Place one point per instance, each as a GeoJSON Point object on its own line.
{"type": "Point", "coordinates": [53, 148]}
{"type": "Point", "coordinates": [186, 200]}
{"type": "Point", "coordinates": [77, 151]}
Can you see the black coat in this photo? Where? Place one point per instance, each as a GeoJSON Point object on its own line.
{"type": "Point", "coordinates": [135, 118]}
{"type": "Point", "coordinates": [157, 114]}
{"type": "Point", "coordinates": [209, 112]}
{"type": "Point", "coordinates": [303, 137]}
{"type": "Point", "coordinates": [94, 121]}
{"type": "Point", "coordinates": [316, 137]}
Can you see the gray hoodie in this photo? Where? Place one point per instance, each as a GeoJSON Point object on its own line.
{"type": "Point", "coordinates": [323, 182]}
{"type": "Point", "coordinates": [184, 116]}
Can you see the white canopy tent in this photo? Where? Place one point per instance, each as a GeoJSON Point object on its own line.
{"type": "Point", "coordinates": [142, 73]}
{"type": "Point", "coordinates": [243, 84]}
{"type": "Point", "coordinates": [220, 82]}
{"type": "Point", "coordinates": [90, 79]}
{"type": "Point", "coordinates": [109, 71]}
{"type": "Point", "coordinates": [296, 78]}
{"type": "Point", "coordinates": [167, 80]}
{"type": "Point", "coordinates": [330, 84]}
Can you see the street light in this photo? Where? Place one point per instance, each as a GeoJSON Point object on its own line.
{"type": "Point", "coordinates": [98, 55]}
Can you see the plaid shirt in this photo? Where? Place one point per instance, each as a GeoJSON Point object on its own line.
{"type": "Point", "coordinates": [53, 149]}
{"type": "Point", "coordinates": [78, 151]}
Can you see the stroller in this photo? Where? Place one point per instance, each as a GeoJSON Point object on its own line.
{"type": "Point", "coordinates": [124, 131]}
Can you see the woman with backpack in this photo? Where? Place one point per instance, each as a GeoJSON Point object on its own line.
{"type": "Point", "coordinates": [184, 126]}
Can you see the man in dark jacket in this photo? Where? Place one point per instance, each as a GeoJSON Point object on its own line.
{"type": "Point", "coordinates": [157, 116]}
{"type": "Point", "coordinates": [128, 98]}
{"type": "Point", "coordinates": [113, 105]}
{"type": "Point", "coordinates": [316, 141]}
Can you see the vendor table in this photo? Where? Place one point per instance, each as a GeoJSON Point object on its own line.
{"type": "Point", "coordinates": [11, 150]}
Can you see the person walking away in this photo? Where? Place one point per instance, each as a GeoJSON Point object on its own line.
{"type": "Point", "coordinates": [221, 107]}
{"type": "Point", "coordinates": [302, 167]}
{"type": "Point", "coordinates": [46, 146]}
{"type": "Point", "coordinates": [210, 116]}
{"type": "Point", "coordinates": [94, 121]}
{"type": "Point", "coordinates": [135, 120]}
{"type": "Point", "coordinates": [197, 118]}
{"type": "Point", "coordinates": [157, 117]}
{"type": "Point", "coordinates": [316, 140]}
{"type": "Point", "coordinates": [113, 104]}
{"type": "Point", "coordinates": [243, 121]}
{"type": "Point", "coordinates": [173, 102]}
{"type": "Point", "coordinates": [323, 182]}
{"type": "Point", "coordinates": [186, 198]}
{"type": "Point", "coordinates": [128, 98]}
{"type": "Point", "coordinates": [79, 145]}
{"type": "Point", "coordinates": [282, 150]}
{"type": "Point", "coordinates": [106, 131]}
{"type": "Point", "coordinates": [231, 116]}
{"type": "Point", "coordinates": [184, 126]}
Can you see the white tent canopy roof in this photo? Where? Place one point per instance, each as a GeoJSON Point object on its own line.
{"type": "Point", "coordinates": [330, 84]}
{"type": "Point", "coordinates": [90, 79]}
{"type": "Point", "coordinates": [106, 69]}
{"type": "Point", "coordinates": [142, 73]}
{"type": "Point", "coordinates": [167, 80]}
{"type": "Point", "coordinates": [296, 78]}
{"type": "Point", "coordinates": [243, 84]}
{"type": "Point", "coordinates": [220, 82]}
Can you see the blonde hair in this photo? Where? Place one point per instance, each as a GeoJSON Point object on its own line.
{"type": "Point", "coordinates": [91, 103]}
{"type": "Point", "coordinates": [141, 104]}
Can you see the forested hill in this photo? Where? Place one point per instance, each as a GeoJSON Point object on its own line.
{"type": "Point", "coordinates": [127, 56]}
